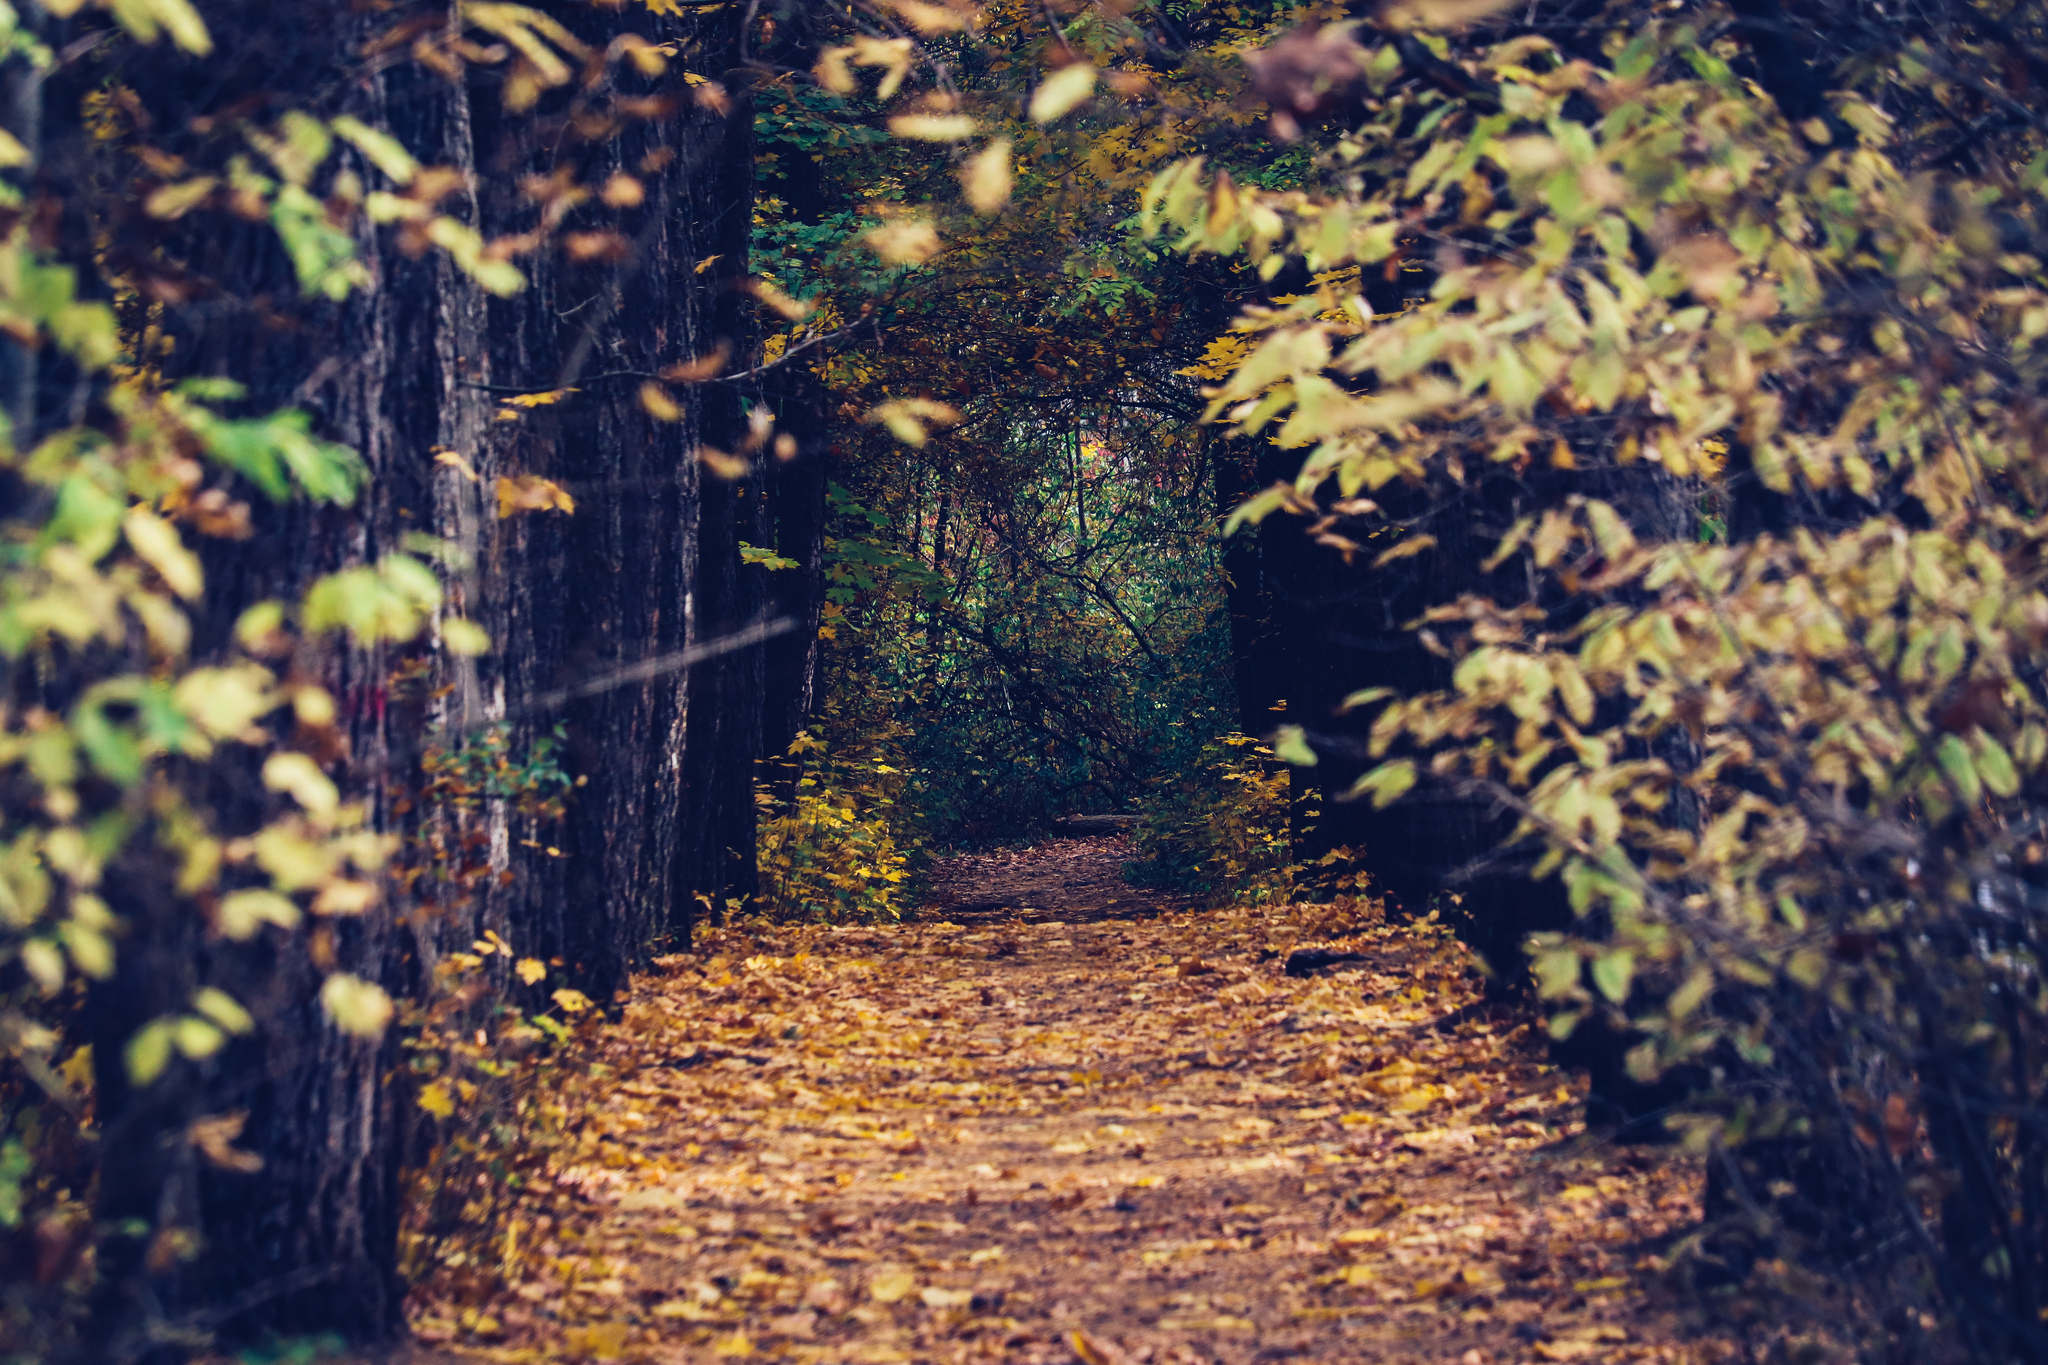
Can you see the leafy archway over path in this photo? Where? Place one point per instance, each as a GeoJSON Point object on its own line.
{"type": "Point", "coordinates": [951, 1143]}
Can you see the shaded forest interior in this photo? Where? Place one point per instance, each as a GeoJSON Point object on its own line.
{"type": "Point", "coordinates": [1475, 571]}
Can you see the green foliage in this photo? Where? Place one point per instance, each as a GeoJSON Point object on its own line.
{"type": "Point", "coordinates": [1222, 829]}
{"type": "Point", "coordinates": [1044, 623]}
{"type": "Point", "coordinates": [835, 848]}
{"type": "Point", "coordinates": [482, 767]}
{"type": "Point", "coordinates": [1792, 785]}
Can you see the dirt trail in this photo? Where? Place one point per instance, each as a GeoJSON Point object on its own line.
{"type": "Point", "coordinates": [954, 1142]}
{"type": "Point", "coordinates": [1077, 881]}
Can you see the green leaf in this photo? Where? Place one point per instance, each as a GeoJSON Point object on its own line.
{"type": "Point", "coordinates": [465, 638]}
{"type": "Point", "coordinates": [1954, 757]}
{"type": "Point", "coordinates": [1807, 966]}
{"type": "Point", "coordinates": [1385, 784]}
{"type": "Point", "coordinates": [149, 1051]}
{"type": "Point", "coordinates": [323, 256]}
{"type": "Point", "coordinates": [767, 559]}
{"type": "Point", "coordinates": [15, 1165]}
{"type": "Point", "coordinates": [1290, 745]}
{"type": "Point", "coordinates": [1995, 766]}
{"type": "Point", "coordinates": [196, 1038]}
{"type": "Point", "coordinates": [380, 149]}
{"type": "Point", "coordinates": [111, 749]}
{"type": "Point", "coordinates": [1613, 972]}
{"type": "Point", "coordinates": [1692, 994]}
{"type": "Point", "coordinates": [263, 449]}
{"type": "Point", "coordinates": [1557, 972]}
{"type": "Point", "coordinates": [223, 1009]}
{"type": "Point", "coordinates": [1364, 697]}
{"type": "Point", "coordinates": [87, 515]}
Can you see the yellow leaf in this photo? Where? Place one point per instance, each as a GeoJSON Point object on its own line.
{"type": "Point", "coordinates": [985, 180]}
{"type": "Point", "coordinates": [737, 1346]}
{"type": "Point", "coordinates": [380, 149]}
{"type": "Point", "coordinates": [223, 1009]}
{"type": "Point", "coordinates": [299, 775]}
{"type": "Point", "coordinates": [930, 19]}
{"type": "Point", "coordinates": [157, 541]}
{"type": "Point", "coordinates": [723, 465]}
{"type": "Point", "coordinates": [764, 290]}
{"type": "Point", "coordinates": [538, 400]}
{"type": "Point", "coordinates": [149, 1051]}
{"type": "Point", "coordinates": [225, 702]}
{"type": "Point", "coordinates": [465, 638]}
{"type": "Point", "coordinates": [345, 897]}
{"type": "Point", "coordinates": [658, 404]}
{"type": "Point", "coordinates": [241, 913]}
{"type": "Point", "coordinates": [1062, 91]}
{"type": "Point", "coordinates": [932, 127]}
{"type": "Point", "coordinates": [436, 1100]}
{"type": "Point", "coordinates": [531, 970]}
{"type": "Point", "coordinates": [891, 1284]}
{"type": "Point", "coordinates": [531, 493]}
{"type": "Point", "coordinates": [1091, 1351]}
{"type": "Point", "coordinates": [832, 73]}
{"type": "Point", "coordinates": [905, 417]}
{"type": "Point", "coordinates": [355, 1005]}
{"type": "Point", "coordinates": [1438, 14]}
{"type": "Point", "coordinates": [214, 1137]}
{"type": "Point", "coordinates": [911, 243]}
{"type": "Point", "coordinates": [575, 1002]}
{"type": "Point", "coordinates": [1413, 545]}
{"type": "Point", "coordinates": [175, 201]}
{"type": "Point", "coordinates": [600, 1340]}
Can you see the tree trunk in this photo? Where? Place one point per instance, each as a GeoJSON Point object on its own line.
{"type": "Point", "coordinates": [402, 370]}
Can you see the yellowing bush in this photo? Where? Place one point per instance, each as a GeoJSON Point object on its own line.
{"type": "Point", "coordinates": [832, 849]}
{"type": "Point", "coordinates": [1221, 830]}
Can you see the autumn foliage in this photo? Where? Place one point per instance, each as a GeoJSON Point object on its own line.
{"type": "Point", "coordinates": [498, 498]}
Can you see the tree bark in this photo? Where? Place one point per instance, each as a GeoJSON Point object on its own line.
{"type": "Point", "coordinates": [403, 370]}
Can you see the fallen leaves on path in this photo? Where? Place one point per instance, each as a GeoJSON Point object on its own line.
{"type": "Point", "coordinates": [1112, 1142]}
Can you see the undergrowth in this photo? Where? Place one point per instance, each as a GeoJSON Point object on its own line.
{"type": "Point", "coordinates": [1220, 831]}
{"type": "Point", "coordinates": [492, 1107]}
{"type": "Point", "coordinates": [834, 841]}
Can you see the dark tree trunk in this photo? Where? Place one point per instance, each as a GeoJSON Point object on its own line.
{"type": "Point", "coordinates": [714, 857]}
{"type": "Point", "coordinates": [402, 370]}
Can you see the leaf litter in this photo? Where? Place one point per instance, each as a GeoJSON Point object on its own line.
{"type": "Point", "coordinates": [1119, 1141]}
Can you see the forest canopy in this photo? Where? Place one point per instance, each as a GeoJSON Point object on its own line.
{"type": "Point", "coordinates": [488, 490]}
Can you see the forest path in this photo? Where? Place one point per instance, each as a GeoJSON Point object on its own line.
{"type": "Point", "coordinates": [1134, 1140]}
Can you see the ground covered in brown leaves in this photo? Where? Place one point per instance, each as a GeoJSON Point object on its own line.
{"type": "Point", "coordinates": [1120, 1140]}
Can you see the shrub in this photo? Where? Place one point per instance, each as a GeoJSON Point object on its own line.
{"type": "Point", "coordinates": [832, 847]}
{"type": "Point", "coordinates": [1221, 830]}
